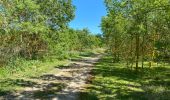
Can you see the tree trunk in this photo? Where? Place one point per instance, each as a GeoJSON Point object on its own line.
{"type": "Point", "coordinates": [137, 51]}
{"type": "Point", "coordinates": [131, 52]}
{"type": "Point", "coordinates": [142, 53]}
{"type": "Point", "coordinates": [143, 40]}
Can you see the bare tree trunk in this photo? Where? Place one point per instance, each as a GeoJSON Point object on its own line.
{"type": "Point", "coordinates": [131, 52]}
{"type": "Point", "coordinates": [137, 51]}
{"type": "Point", "coordinates": [143, 52]}
{"type": "Point", "coordinates": [143, 40]}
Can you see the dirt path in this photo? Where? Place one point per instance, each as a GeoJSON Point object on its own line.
{"type": "Point", "coordinates": [79, 71]}
{"type": "Point", "coordinates": [63, 83]}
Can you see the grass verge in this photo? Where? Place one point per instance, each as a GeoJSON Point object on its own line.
{"type": "Point", "coordinates": [113, 81]}
{"type": "Point", "coordinates": [15, 79]}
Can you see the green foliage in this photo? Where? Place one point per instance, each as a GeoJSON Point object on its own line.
{"type": "Point", "coordinates": [133, 30]}
{"type": "Point", "coordinates": [36, 29]}
{"type": "Point", "coordinates": [58, 12]}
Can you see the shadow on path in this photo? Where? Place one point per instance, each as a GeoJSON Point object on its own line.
{"type": "Point", "coordinates": [65, 83]}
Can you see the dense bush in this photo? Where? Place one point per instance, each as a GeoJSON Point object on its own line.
{"type": "Point", "coordinates": [34, 29]}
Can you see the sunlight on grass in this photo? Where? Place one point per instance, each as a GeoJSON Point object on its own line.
{"type": "Point", "coordinates": [12, 79]}
{"type": "Point", "coordinates": [114, 81]}
{"type": "Point", "coordinates": [23, 73]}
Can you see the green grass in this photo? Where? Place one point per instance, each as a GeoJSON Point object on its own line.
{"type": "Point", "coordinates": [20, 72]}
{"type": "Point", "coordinates": [16, 77]}
{"type": "Point", "coordinates": [113, 81]}
{"type": "Point", "coordinates": [29, 68]}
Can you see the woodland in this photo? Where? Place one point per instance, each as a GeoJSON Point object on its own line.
{"type": "Point", "coordinates": [130, 60]}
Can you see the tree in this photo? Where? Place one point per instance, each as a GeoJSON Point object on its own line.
{"type": "Point", "coordinates": [134, 24]}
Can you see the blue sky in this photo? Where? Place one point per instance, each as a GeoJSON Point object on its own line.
{"type": "Point", "coordinates": [88, 15]}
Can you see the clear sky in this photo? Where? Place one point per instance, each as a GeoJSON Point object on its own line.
{"type": "Point", "coordinates": [88, 14]}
